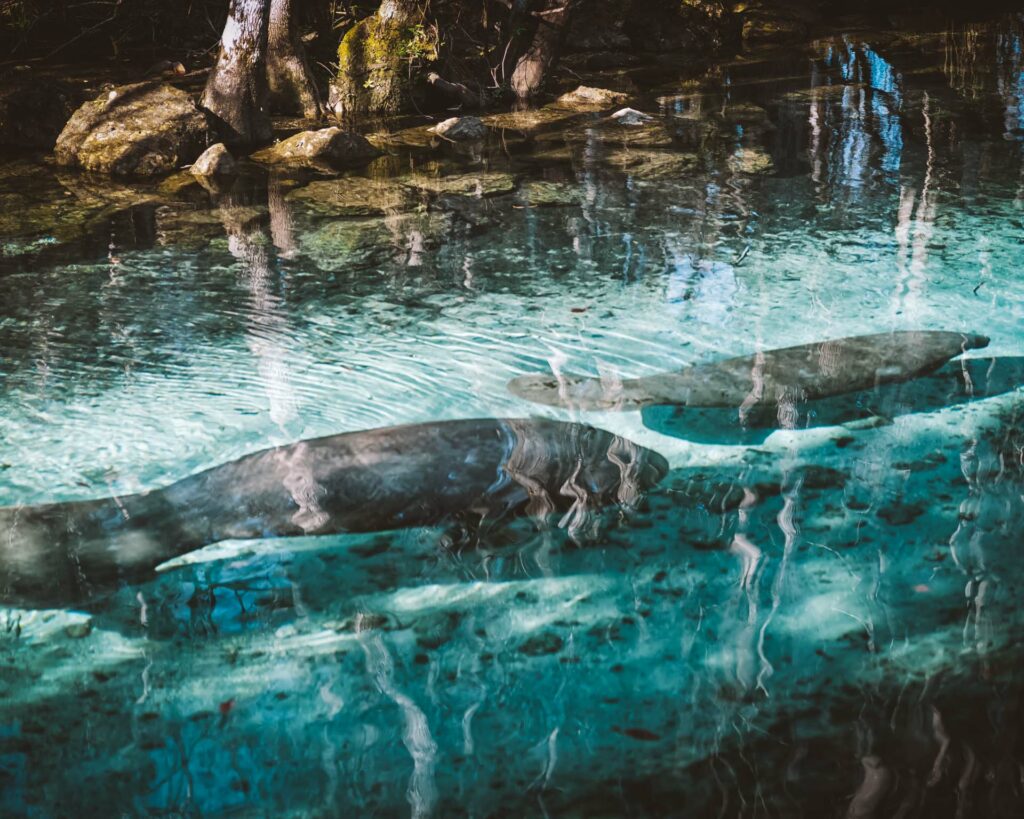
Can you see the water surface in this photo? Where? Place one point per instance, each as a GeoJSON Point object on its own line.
{"type": "Point", "coordinates": [819, 611]}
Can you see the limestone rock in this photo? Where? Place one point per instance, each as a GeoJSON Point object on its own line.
{"type": "Point", "coordinates": [331, 146]}
{"type": "Point", "coordinates": [461, 128]}
{"type": "Point", "coordinates": [630, 116]}
{"type": "Point", "coordinates": [586, 97]}
{"type": "Point", "coordinates": [142, 129]}
{"type": "Point", "coordinates": [214, 161]}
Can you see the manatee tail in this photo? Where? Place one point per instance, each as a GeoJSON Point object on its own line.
{"type": "Point", "coordinates": [63, 554]}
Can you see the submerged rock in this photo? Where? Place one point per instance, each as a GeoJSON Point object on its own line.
{"type": "Point", "coordinates": [750, 160]}
{"type": "Point", "coordinates": [529, 120]}
{"type": "Point", "coordinates": [540, 193]}
{"type": "Point", "coordinates": [214, 161]}
{"type": "Point", "coordinates": [33, 112]}
{"type": "Point", "coordinates": [142, 129]}
{"type": "Point", "coordinates": [355, 196]}
{"type": "Point", "coordinates": [486, 183]}
{"type": "Point", "coordinates": [461, 128]}
{"type": "Point", "coordinates": [585, 97]}
{"type": "Point", "coordinates": [331, 146]}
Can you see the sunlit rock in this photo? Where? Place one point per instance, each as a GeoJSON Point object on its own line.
{"type": "Point", "coordinates": [461, 128]}
{"type": "Point", "coordinates": [530, 120]}
{"type": "Point", "coordinates": [214, 161]}
{"type": "Point", "coordinates": [355, 196]}
{"type": "Point", "coordinates": [143, 129]}
{"type": "Point", "coordinates": [587, 98]}
{"type": "Point", "coordinates": [630, 116]}
{"type": "Point", "coordinates": [331, 146]}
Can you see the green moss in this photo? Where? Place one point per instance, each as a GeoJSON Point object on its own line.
{"type": "Point", "coordinates": [374, 62]}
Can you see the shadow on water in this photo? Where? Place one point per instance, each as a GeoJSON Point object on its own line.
{"type": "Point", "coordinates": [958, 382]}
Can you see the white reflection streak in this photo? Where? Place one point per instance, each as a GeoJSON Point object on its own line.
{"type": "Point", "coordinates": [422, 792]}
{"type": "Point", "coordinates": [750, 557]}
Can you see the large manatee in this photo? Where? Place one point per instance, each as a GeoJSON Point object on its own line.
{"type": "Point", "coordinates": [476, 471]}
{"type": "Point", "coordinates": [777, 378]}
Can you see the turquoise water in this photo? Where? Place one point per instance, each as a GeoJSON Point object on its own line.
{"type": "Point", "coordinates": [816, 620]}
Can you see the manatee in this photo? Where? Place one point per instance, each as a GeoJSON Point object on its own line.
{"type": "Point", "coordinates": [776, 378]}
{"type": "Point", "coordinates": [471, 471]}
{"type": "Point", "coordinates": [954, 383]}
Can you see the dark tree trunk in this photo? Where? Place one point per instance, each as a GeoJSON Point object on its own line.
{"type": "Point", "coordinates": [289, 79]}
{"type": "Point", "coordinates": [236, 91]}
{"type": "Point", "coordinates": [551, 24]}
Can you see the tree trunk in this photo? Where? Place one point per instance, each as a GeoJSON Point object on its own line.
{"type": "Point", "coordinates": [236, 91]}
{"type": "Point", "coordinates": [545, 46]}
{"type": "Point", "coordinates": [374, 61]}
{"type": "Point", "coordinates": [289, 79]}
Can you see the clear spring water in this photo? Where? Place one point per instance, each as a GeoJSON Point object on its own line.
{"type": "Point", "coordinates": [846, 641]}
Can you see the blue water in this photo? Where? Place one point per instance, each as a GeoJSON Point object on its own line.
{"type": "Point", "coordinates": [819, 620]}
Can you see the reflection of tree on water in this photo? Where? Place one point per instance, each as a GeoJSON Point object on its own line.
{"type": "Point", "coordinates": [243, 212]}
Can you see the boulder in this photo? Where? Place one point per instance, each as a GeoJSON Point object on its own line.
{"type": "Point", "coordinates": [461, 128]}
{"type": "Point", "coordinates": [214, 161]}
{"type": "Point", "coordinates": [142, 129]}
{"type": "Point", "coordinates": [331, 146]}
{"type": "Point", "coordinates": [586, 97]}
{"type": "Point", "coordinates": [33, 112]}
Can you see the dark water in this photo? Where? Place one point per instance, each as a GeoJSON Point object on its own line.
{"type": "Point", "coordinates": [813, 616]}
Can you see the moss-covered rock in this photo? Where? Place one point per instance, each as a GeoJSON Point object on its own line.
{"type": "Point", "coordinates": [355, 196]}
{"type": "Point", "coordinates": [214, 161]}
{"type": "Point", "coordinates": [331, 146]}
{"type": "Point", "coordinates": [585, 98]}
{"type": "Point", "coordinates": [461, 128]}
{"type": "Point", "coordinates": [142, 129]}
{"type": "Point", "coordinates": [374, 61]}
{"type": "Point", "coordinates": [542, 193]}
{"type": "Point", "coordinates": [485, 183]}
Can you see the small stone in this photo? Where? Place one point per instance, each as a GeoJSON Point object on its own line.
{"type": "Point", "coordinates": [630, 116]}
{"type": "Point", "coordinates": [461, 128]}
{"type": "Point", "coordinates": [332, 146]}
{"type": "Point", "coordinates": [214, 161]}
{"type": "Point", "coordinates": [586, 97]}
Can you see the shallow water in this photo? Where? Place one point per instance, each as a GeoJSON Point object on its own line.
{"type": "Point", "coordinates": [818, 615]}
